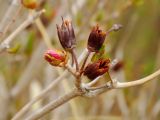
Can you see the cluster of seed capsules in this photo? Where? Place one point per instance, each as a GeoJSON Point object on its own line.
{"type": "Point", "coordinates": [67, 39]}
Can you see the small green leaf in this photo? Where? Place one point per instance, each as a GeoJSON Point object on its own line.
{"type": "Point", "coordinates": [14, 49]}
{"type": "Point", "coordinates": [100, 54]}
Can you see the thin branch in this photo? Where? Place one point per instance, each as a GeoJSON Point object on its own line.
{"type": "Point", "coordinates": [29, 71]}
{"type": "Point", "coordinates": [75, 59]}
{"type": "Point", "coordinates": [44, 92]}
{"type": "Point", "coordinates": [114, 28]}
{"type": "Point", "coordinates": [11, 21]}
{"type": "Point", "coordinates": [122, 103]}
{"type": "Point", "coordinates": [137, 82]}
{"type": "Point", "coordinates": [93, 81]}
{"type": "Point", "coordinates": [91, 93]}
{"type": "Point", "coordinates": [40, 96]}
{"type": "Point", "coordinates": [82, 55]}
{"type": "Point", "coordinates": [67, 87]}
{"type": "Point", "coordinates": [69, 68]}
{"type": "Point", "coordinates": [110, 77]}
{"type": "Point", "coordinates": [9, 15]}
{"type": "Point", "coordinates": [53, 105]}
{"type": "Point", "coordinates": [94, 91]}
{"type": "Point", "coordinates": [95, 88]}
{"type": "Point", "coordinates": [155, 110]}
{"type": "Point", "coordinates": [5, 44]}
{"type": "Point", "coordinates": [44, 33]}
{"type": "Point", "coordinates": [85, 60]}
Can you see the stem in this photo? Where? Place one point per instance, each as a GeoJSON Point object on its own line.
{"type": "Point", "coordinates": [11, 21]}
{"type": "Point", "coordinates": [94, 91]}
{"type": "Point", "coordinates": [95, 88]}
{"type": "Point", "coordinates": [54, 104]}
{"type": "Point", "coordinates": [114, 28]}
{"type": "Point", "coordinates": [85, 60]}
{"type": "Point", "coordinates": [44, 92]}
{"type": "Point", "coordinates": [28, 21]}
{"type": "Point", "coordinates": [93, 81]}
{"type": "Point", "coordinates": [70, 70]}
{"type": "Point", "coordinates": [40, 96]}
{"type": "Point", "coordinates": [138, 82]}
{"type": "Point", "coordinates": [110, 77]}
{"type": "Point", "coordinates": [75, 59]}
{"type": "Point", "coordinates": [88, 85]}
{"type": "Point", "coordinates": [72, 61]}
{"type": "Point", "coordinates": [117, 85]}
{"type": "Point", "coordinates": [82, 55]}
{"type": "Point", "coordinates": [8, 15]}
{"type": "Point", "coordinates": [44, 33]}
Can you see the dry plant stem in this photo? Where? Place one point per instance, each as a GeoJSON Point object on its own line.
{"type": "Point", "coordinates": [70, 70]}
{"type": "Point", "coordinates": [44, 33]}
{"type": "Point", "coordinates": [5, 44]}
{"type": "Point", "coordinates": [85, 60]}
{"type": "Point", "coordinates": [155, 110]}
{"type": "Point", "coordinates": [110, 77]}
{"type": "Point", "coordinates": [12, 21]}
{"type": "Point", "coordinates": [138, 82]}
{"type": "Point", "coordinates": [75, 59]}
{"type": "Point", "coordinates": [97, 91]}
{"type": "Point", "coordinates": [40, 96]}
{"type": "Point", "coordinates": [45, 91]}
{"type": "Point", "coordinates": [96, 88]}
{"type": "Point", "coordinates": [73, 104]}
{"type": "Point", "coordinates": [8, 15]}
{"type": "Point", "coordinates": [93, 82]}
{"type": "Point", "coordinates": [54, 104]}
{"type": "Point", "coordinates": [25, 79]}
{"type": "Point", "coordinates": [81, 57]}
{"type": "Point", "coordinates": [117, 85]}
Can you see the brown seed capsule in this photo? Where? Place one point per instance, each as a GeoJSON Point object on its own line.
{"type": "Point", "coordinates": [66, 35]}
{"type": "Point", "coordinates": [31, 4]}
{"type": "Point", "coordinates": [96, 69]}
{"type": "Point", "coordinates": [96, 39]}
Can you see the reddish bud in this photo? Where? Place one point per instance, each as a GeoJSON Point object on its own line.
{"type": "Point", "coordinates": [96, 39]}
{"type": "Point", "coordinates": [31, 4]}
{"type": "Point", "coordinates": [117, 66]}
{"type": "Point", "coordinates": [96, 69]}
{"type": "Point", "coordinates": [56, 58]}
{"type": "Point", "coordinates": [66, 35]}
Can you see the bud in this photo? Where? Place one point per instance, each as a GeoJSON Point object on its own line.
{"type": "Point", "coordinates": [117, 65]}
{"type": "Point", "coordinates": [96, 39]}
{"type": "Point", "coordinates": [66, 35]}
{"type": "Point", "coordinates": [31, 4]}
{"type": "Point", "coordinates": [115, 28]}
{"type": "Point", "coordinates": [96, 69]}
{"type": "Point", "coordinates": [56, 58]}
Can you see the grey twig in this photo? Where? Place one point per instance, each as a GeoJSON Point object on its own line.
{"type": "Point", "coordinates": [5, 44]}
